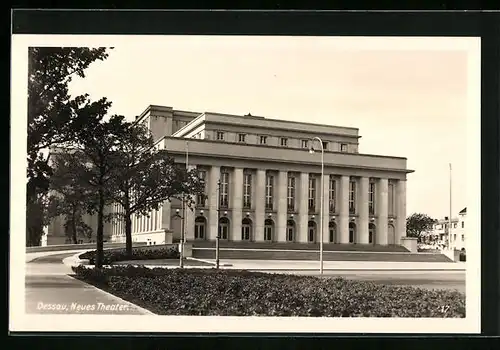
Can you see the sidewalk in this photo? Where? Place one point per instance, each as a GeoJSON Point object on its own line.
{"type": "Point", "coordinates": [49, 290]}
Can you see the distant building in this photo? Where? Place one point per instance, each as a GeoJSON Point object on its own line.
{"type": "Point", "coordinates": [270, 183]}
{"type": "Point", "coordinates": [453, 237]}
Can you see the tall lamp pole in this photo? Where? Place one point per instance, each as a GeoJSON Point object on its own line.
{"type": "Point", "coordinates": [217, 238]}
{"type": "Point", "coordinates": [321, 201]}
{"type": "Point", "coordinates": [183, 230]}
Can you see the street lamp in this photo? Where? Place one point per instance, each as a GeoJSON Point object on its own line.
{"type": "Point", "coordinates": [217, 238]}
{"type": "Point", "coordinates": [183, 230]}
{"type": "Point", "coordinates": [321, 201]}
{"type": "Point", "coordinates": [181, 217]}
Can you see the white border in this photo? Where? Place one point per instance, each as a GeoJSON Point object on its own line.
{"type": "Point", "coordinates": [19, 321]}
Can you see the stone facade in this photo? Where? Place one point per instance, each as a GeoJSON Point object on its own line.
{"type": "Point", "coordinates": [263, 183]}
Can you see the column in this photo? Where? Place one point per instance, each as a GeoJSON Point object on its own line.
{"type": "Point", "coordinates": [326, 210]}
{"type": "Point", "coordinates": [189, 215]}
{"type": "Point", "coordinates": [301, 233]}
{"type": "Point", "coordinates": [400, 210]}
{"type": "Point", "coordinates": [259, 200]}
{"type": "Point", "coordinates": [343, 204]}
{"type": "Point", "coordinates": [236, 201]}
{"type": "Point", "coordinates": [281, 193]}
{"type": "Point", "coordinates": [363, 218]}
{"type": "Point", "coordinates": [381, 207]}
{"type": "Point", "coordinates": [213, 198]}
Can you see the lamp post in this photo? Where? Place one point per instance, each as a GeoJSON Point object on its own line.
{"type": "Point", "coordinates": [321, 201]}
{"type": "Point", "coordinates": [218, 227]}
{"type": "Point", "coordinates": [183, 230]}
{"type": "Point", "coordinates": [181, 217]}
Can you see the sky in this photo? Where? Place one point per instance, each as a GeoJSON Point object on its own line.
{"type": "Point", "coordinates": [408, 99]}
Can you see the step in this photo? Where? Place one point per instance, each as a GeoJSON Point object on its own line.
{"type": "Point", "coordinates": [256, 254]}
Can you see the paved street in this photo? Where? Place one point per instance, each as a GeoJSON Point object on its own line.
{"type": "Point", "coordinates": [49, 290]}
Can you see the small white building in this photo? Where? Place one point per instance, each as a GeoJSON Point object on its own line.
{"type": "Point", "coordinates": [452, 237]}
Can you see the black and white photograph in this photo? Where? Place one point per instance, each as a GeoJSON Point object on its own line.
{"type": "Point", "coordinates": [204, 183]}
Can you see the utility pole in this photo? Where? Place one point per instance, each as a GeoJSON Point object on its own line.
{"type": "Point", "coordinates": [217, 238]}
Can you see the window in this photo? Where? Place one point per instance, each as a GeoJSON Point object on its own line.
{"type": "Point", "coordinates": [352, 197]}
{"type": "Point", "coordinates": [371, 198]}
{"type": "Point", "coordinates": [391, 199]}
{"type": "Point", "coordinates": [305, 143]}
{"type": "Point", "coordinates": [291, 193]}
{"type": "Point", "coordinates": [463, 238]}
{"type": "Point", "coordinates": [333, 185]}
{"type": "Point", "coordinates": [269, 191]}
{"type": "Point", "coordinates": [201, 198]}
{"type": "Point", "coordinates": [246, 230]}
{"type": "Point", "coordinates": [220, 135]}
{"type": "Point", "coordinates": [199, 228]}
{"type": "Point", "coordinates": [463, 222]}
{"type": "Point", "coordinates": [247, 190]}
{"type": "Point", "coordinates": [224, 228]}
{"type": "Point", "coordinates": [343, 147]}
{"type": "Point", "coordinates": [290, 231]}
{"type": "Point", "coordinates": [224, 190]}
{"type": "Point", "coordinates": [241, 137]}
{"type": "Point", "coordinates": [284, 141]}
{"type": "Point", "coordinates": [263, 140]}
{"type": "Point", "coordinates": [454, 225]}
{"type": "Point", "coordinates": [312, 193]}
{"type": "Point", "coordinates": [325, 145]}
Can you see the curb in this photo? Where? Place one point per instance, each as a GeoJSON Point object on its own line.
{"type": "Point", "coordinates": [75, 261]}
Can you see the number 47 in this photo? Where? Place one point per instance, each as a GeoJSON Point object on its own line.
{"type": "Point", "coordinates": [444, 309]}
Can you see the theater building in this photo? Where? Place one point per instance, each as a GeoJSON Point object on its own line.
{"type": "Point", "coordinates": [262, 182]}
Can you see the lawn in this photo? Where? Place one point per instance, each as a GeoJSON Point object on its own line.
{"type": "Point", "coordinates": [211, 292]}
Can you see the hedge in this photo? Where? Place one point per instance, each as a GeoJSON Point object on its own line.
{"type": "Point", "coordinates": [212, 292]}
{"type": "Point", "coordinates": [113, 255]}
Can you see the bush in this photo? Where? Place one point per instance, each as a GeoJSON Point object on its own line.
{"type": "Point", "coordinates": [211, 292]}
{"type": "Point", "coordinates": [113, 255]}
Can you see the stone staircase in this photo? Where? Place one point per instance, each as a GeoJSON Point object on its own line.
{"type": "Point", "coordinates": [310, 251]}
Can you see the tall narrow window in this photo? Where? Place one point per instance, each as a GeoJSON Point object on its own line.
{"type": "Point", "coordinates": [391, 199]}
{"type": "Point", "coordinates": [241, 137]}
{"type": "Point", "coordinates": [263, 140]}
{"type": "Point", "coordinates": [371, 198]}
{"type": "Point", "coordinates": [201, 197]}
{"type": "Point", "coordinates": [352, 197]}
{"type": "Point", "coordinates": [325, 145]}
{"type": "Point", "coordinates": [224, 189]}
{"type": "Point", "coordinates": [343, 147]}
{"type": "Point", "coordinates": [284, 141]}
{"type": "Point", "coordinates": [269, 191]}
{"type": "Point", "coordinates": [291, 193]}
{"type": "Point", "coordinates": [220, 135]}
{"type": "Point", "coordinates": [247, 190]}
{"type": "Point", "coordinates": [305, 143]}
{"type": "Point", "coordinates": [331, 192]}
{"type": "Point", "coordinates": [312, 194]}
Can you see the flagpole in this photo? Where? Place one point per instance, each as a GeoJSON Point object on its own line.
{"type": "Point", "coordinates": [449, 218]}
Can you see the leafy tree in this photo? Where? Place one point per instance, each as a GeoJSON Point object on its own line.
{"type": "Point", "coordinates": [36, 220]}
{"type": "Point", "coordinates": [146, 177]}
{"type": "Point", "coordinates": [53, 115]}
{"type": "Point", "coordinates": [91, 159]}
{"type": "Point", "coordinates": [417, 224]}
{"type": "Point", "coordinates": [70, 197]}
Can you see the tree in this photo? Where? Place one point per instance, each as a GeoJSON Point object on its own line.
{"type": "Point", "coordinates": [70, 197]}
{"type": "Point", "coordinates": [417, 224]}
{"type": "Point", "coordinates": [53, 115]}
{"type": "Point", "coordinates": [36, 219]}
{"type": "Point", "coordinates": [146, 177]}
{"type": "Point", "coordinates": [91, 159]}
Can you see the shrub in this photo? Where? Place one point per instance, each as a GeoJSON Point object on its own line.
{"type": "Point", "coordinates": [113, 255]}
{"type": "Point", "coordinates": [245, 293]}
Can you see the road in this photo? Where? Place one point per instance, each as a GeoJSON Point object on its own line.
{"type": "Point", "coordinates": [49, 290]}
